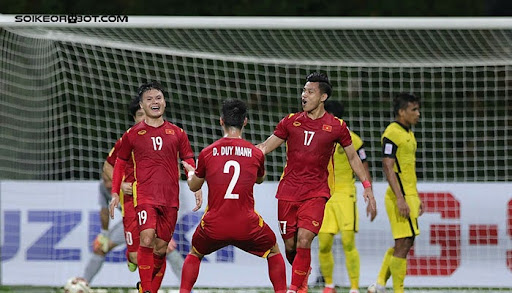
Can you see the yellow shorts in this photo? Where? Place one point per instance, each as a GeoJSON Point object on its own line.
{"type": "Point", "coordinates": [403, 227]}
{"type": "Point", "coordinates": [340, 215]}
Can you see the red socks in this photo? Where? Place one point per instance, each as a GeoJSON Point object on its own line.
{"type": "Point", "coordinates": [158, 272]}
{"type": "Point", "coordinates": [189, 273]}
{"type": "Point", "coordinates": [146, 264]}
{"type": "Point", "coordinates": [277, 273]}
{"type": "Point", "coordinates": [300, 267]}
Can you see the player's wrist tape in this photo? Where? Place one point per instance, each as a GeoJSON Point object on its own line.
{"type": "Point", "coordinates": [367, 184]}
{"type": "Point", "coordinates": [190, 174]}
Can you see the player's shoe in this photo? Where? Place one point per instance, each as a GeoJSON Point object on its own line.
{"type": "Point", "coordinates": [101, 242]}
{"type": "Point", "coordinates": [304, 286]}
{"type": "Point", "coordinates": [330, 290]}
{"type": "Point", "coordinates": [139, 287]}
{"type": "Point", "coordinates": [376, 288]}
{"type": "Point", "coordinates": [353, 291]}
{"type": "Point", "coordinates": [131, 266]}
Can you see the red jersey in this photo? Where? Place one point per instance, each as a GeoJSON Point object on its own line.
{"type": "Point", "coordinates": [128, 177]}
{"type": "Point", "coordinates": [155, 152]}
{"type": "Point", "coordinates": [230, 167]}
{"type": "Point", "coordinates": [309, 147]}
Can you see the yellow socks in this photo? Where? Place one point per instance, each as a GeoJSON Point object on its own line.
{"type": "Point", "coordinates": [325, 256]}
{"type": "Point", "coordinates": [398, 268]}
{"type": "Point", "coordinates": [384, 272]}
{"type": "Point", "coordinates": [352, 261]}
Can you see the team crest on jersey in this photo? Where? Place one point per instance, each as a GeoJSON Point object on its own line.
{"type": "Point", "coordinates": [296, 123]}
{"type": "Point", "coordinates": [169, 131]}
{"type": "Point", "coordinates": [142, 132]}
{"type": "Point", "coordinates": [327, 128]}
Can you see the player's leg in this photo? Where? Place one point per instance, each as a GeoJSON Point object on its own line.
{"type": "Point", "coordinates": [286, 215]}
{"type": "Point", "coordinates": [100, 244]}
{"type": "Point", "coordinates": [190, 271]}
{"type": "Point", "coordinates": [398, 262]}
{"type": "Point", "coordinates": [404, 234]}
{"type": "Point", "coordinates": [131, 232]}
{"type": "Point", "coordinates": [147, 217]}
{"type": "Point", "coordinates": [276, 269]}
{"type": "Point", "coordinates": [201, 245]}
{"type": "Point", "coordinates": [352, 260]}
{"type": "Point", "coordinates": [350, 225]}
{"type": "Point", "coordinates": [325, 241]}
{"type": "Point", "coordinates": [165, 228]}
{"type": "Point", "coordinates": [263, 243]}
{"type": "Point", "coordinates": [310, 215]}
{"type": "Point", "coordinates": [174, 258]}
{"type": "Point", "coordinates": [160, 264]}
{"type": "Point", "coordinates": [404, 230]}
{"type": "Point", "coordinates": [326, 257]}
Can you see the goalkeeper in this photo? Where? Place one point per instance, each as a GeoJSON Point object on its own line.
{"type": "Point", "coordinates": [341, 214]}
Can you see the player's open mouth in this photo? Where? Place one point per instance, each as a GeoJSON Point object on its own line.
{"type": "Point", "coordinates": [304, 102]}
{"type": "Point", "coordinates": [155, 108]}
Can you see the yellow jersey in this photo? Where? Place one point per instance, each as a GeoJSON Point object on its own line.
{"type": "Point", "coordinates": [398, 142]}
{"type": "Point", "coordinates": [342, 183]}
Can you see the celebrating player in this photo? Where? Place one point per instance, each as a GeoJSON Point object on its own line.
{"type": "Point", "coordinates": [231, 166]}
{"type": "Point", "coordinates": [403, 203]}
{"type": "Point", "coordinates": [341, 214]}
{"type": "Point", "coordinates": [155, 144]}
{"type": "Point", "coordinates": [310, 138]}
{"type": "Point", "coordinates": [110, 238]}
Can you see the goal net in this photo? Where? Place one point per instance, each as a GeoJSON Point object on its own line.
{"type": "Point", "coordinates": [65, 90]}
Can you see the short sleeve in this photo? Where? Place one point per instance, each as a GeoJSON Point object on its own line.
{"type": "Point", "coordinates": [389, 148]}
{"type": "Point", "coordinates": [112, 155]}
{"type": "Point", "coordinates": [344, 138]}
{"type": "Point", "coordinates": [125, 148]}
{"type": "Point", "coordinates": [201, 165]}
{"type": "Point", "coordinates": [281, 131]}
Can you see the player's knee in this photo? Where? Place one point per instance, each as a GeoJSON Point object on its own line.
{"type": "Point", "coordinates": [348, 243]}
{"type": "Point", "coordinates": [325, 241]}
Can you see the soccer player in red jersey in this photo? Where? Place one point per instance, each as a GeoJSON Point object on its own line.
{"type": "Point", "coordinates": [310, 138]}
{"type": "Point", "coordinates": [108, 239]}
{"type": "Point", "coordinates": [231, 166]}
{"type": "Point", "coordinates": [131, 229]}
{"type": "Point", "coordinates": [154, 145]}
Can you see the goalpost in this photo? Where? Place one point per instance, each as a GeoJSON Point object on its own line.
{"type": "Point", "coordinates": [64, 89]}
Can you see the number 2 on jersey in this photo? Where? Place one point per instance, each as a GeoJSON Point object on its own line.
{"type": "Point", "coordinates": [308, 137]}
{"type": "Point", "coordinates": [229, 192]}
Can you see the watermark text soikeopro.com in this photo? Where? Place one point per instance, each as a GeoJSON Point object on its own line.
{"type": "Point", "coordinates": [70, 18]}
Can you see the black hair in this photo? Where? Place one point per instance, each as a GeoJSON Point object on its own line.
{"type": "Point", "coordinates": [335, 108]}
{"type": "Point", "coordinates": [234, 112]}
{"type": "Point", "coordinates": [324, 84]}
{"type": "Point", "coordinates": [402, 100]}
{"type": "Point", "coordinates": [153, 85]}
{"type": "Point", "coordinates": [134, 106]}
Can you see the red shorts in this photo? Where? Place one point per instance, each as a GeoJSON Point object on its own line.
{"type": "Point", "coordinates": [131, 227]}
{"type": "Point", "coordinates": [160, 218]}
{"type": "Point", "coordinates": [307, 214]}
{"type": "Point", "coordinates": [258, 244]}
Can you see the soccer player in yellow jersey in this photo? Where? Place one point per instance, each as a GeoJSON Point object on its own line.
{"type": "Point", "coordinates": [341, 213]}
{"type": "Point", "coordinates": [403, 204]}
